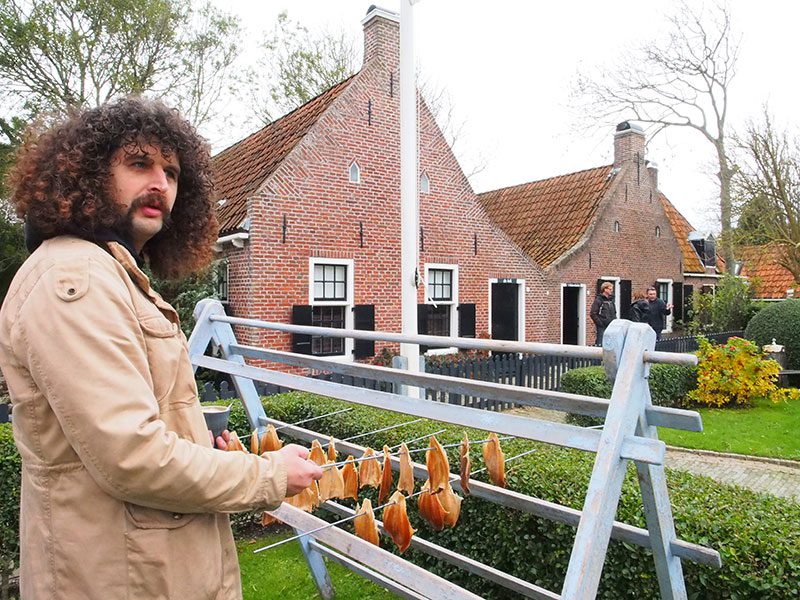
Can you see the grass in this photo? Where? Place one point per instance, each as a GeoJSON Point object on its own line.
{"type": "Point", "coordinates": [766, 429]}
{"type": "Point", "coordinates": [283, 573]}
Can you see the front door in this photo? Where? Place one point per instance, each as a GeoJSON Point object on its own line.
{"type": "Point", "coordinates": [571, 310]}
{"type": "Point", "coordinates": [505, 311]}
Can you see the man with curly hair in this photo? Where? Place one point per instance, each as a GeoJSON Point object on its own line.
{"type": "Point", "coordinates": [123, 495]}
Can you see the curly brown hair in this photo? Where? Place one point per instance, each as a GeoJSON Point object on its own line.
{"type": "Point", "coordinates": [60, 181]}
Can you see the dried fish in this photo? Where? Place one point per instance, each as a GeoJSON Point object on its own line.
{"type": "Point", "coordinates": [386, 476]}
{"type": "Point", "coordinates": [438, 466]}
{"type": "Point", "coordinates": [331, 450]}
{"type": "Point", "coordinates": [396, 523]}
{"type": "Point", "coordinates": [234, 443]}
{"type": "Point", "coordinates": [466, 464]}
{"type": "Point", "coordinates": [369, 471]}
{"type": "Point", "coordinates": [270, 441]}
{"type": "Point", "coordinates": [267, 519]}
{"type": "Point", "coordinates": [331, 484]}
{"type": "Point", "coordinates": [254, 442]}
{"type": "Point", "coordinates": [364, 523]}
{"type": "Point", "coordinates": [430, 507]}
{"type": "Point", "coordinates": [317, 454]}
{"type": "Point", "coordinates": [307, 499]}
{"type": "Point", "coordinates": [406, 482]}
{"type": "Point", "coordinates": [451, 503]}
{"type": "Point", "coordinates": [495, 460]}
{"type": "Point", "coordinates": [350, 478]}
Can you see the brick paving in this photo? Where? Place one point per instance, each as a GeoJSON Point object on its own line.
{"type": "Point", "coordinates": [779, 479]}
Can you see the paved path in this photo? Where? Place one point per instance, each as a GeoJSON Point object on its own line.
{"type": "Point", "coordinates": [757, 475]}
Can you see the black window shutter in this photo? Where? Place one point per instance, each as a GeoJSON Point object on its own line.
{"type": "Point", "coordinates": [599, 283]}
{"type": "Point", "coordinates": [677, 300]}
{"type": "Point", "coordinates": [625, 299]}
{"type": "Point", "coordinates": [466, 320]}
{"type": "Point", "coordinates": [364, 319]}
{"type": "Point", "coordinates": [422, 323]}
{"type": "Point", "coordinates": [301, 342]}
{"type": "Point", "coordinates": [688, 290]}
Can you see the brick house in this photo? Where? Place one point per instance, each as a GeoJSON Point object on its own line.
{"type": "Point", "coordinates": [309, 209]}
{"type": "Point", "coordinates": [608, 223]}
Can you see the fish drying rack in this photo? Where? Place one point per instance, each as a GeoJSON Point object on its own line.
{"type": "Point", "coordinates": [628, 434]}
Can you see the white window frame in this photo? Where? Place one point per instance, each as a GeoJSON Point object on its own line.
{"type": "Point", "coordinates": [348, 302]}
{"type": "Point", "coordinates": [615, 281]}
{"type": "Point", "coordinates": [223, 263]}
{"type": "Point", "coordinates": [520, 306]}
{"type": "Point", "coordinates": [581, 311]}
{"type": "Point", "coordinates": [350, 172]}
{"type": "Point", "coordinates": [424, 183]}
{"type": "Point", "coordinates": [453, 302]}
{"type": "Point", "coordinates": [668, 322]}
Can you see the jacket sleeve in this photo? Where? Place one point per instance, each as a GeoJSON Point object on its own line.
{"type": "Point", "coordinates": [82, 343]}
{"type": "Point", "coordinates": [594, 312]}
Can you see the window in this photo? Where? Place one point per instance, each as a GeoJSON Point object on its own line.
{"type": "Point", "coordinates": [425, 184]}
{"type": "Point", "coordinates": [440, 316]}
{"type": "Point", "coordinates": [616, 227]}
{"type": "Point", "coordinates": [658, 231]}
{"type": "Point", "coordinates": [355, 173]}
{"type": "Point", "coordinates": [331, 299]}
{"type": "Point", "coordinates": [664, 291]}
{"type": "Point", "coordinates": [222, 278]}
{"type": "Point", "coordinates": [440, 285]}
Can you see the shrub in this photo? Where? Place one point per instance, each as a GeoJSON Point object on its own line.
{"type": "Point", "coordinates": [729, 308]}
{"type": "Point", "coordinates": [736, 373]}
{"type": "Point", "coordinates": [669, 386]}
{"type": "Point", "coordinates": [779, 321]}
{"type": "Point", "coordinates": [10, 466]}
{"type": "Point", "coordinates": [756, 535]}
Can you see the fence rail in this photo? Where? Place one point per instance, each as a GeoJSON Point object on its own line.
{"type": "Point", "coordinates": [688, 343]}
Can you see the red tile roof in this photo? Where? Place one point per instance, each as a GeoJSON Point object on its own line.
{"type": "Point", "coordinates": [242, 168]}
{"type": "Point", "coordinates": [761, 263]}
{"type": "Point", "coordinates": [546, 218]}
{"type": "Point", "coordinates": [682, 228]}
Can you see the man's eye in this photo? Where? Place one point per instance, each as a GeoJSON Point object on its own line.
{"type": "Point", "coordinates": [172, 174]}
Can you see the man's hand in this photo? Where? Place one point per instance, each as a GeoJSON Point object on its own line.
{"type": "Point", "coordinates": [300, 471]}
{"type": "Point", "coordinates": [222, 440]}
{"type": "Point", "coordinates": [669, 306]}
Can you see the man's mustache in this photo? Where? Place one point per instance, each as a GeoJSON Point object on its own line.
{"type": "Point", "coordinates": [153, 199]}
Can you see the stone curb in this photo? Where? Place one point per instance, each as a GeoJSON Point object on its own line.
{"type": "Point", "coordinates": [793, 464]}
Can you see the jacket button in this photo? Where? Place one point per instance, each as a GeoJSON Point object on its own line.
{"type": "Point", "coordinates": [176, 516]}
{"type": "Point", "coordinates": [71, 291]}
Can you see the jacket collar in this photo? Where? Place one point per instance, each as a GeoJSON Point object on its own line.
{"type": "Point", "coordinates": [101, 236]}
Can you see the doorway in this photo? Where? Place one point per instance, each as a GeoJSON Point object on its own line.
{"type": "Point", "coordinates": [505, 310]}
{"type": "Point", "coordinates": [573, 313]}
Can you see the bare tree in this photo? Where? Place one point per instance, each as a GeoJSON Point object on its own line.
{"type": "Point", "coordinates": [681, 83]}
{"type": "Point", "coordinates": [767, 189]}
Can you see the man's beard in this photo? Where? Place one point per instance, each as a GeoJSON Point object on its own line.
{"type": "Point", "coordinates": [125, 225]}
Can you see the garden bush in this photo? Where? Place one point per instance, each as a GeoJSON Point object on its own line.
{"type": "Point", "coordinates": [736, 373]}
{"type": "Point", "coordinates": [10, 464]}
{"type": "Point", "coordinates": [756, 535]}
{"type": "Point", "coordinates": [779, 321]}
{"type": "Point", "coordinates": [669, 386]}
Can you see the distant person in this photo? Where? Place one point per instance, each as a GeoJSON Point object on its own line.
{"type": "Point", "coordinates": [639, 308]}
{"type": "Point", "coordinates": [657, 309]}
{"type": "Point", "coordinates": [603, 310]}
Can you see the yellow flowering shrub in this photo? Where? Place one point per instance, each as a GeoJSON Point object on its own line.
{"type": "Point", "coordinates": [736, 373]}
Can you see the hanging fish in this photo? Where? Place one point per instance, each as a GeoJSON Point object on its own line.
{"type": "Point", "coordinates": [495, 460]}
{"type": "Point", "coordinates": [406, 481]}
{"type": "Point", "coordinates": [331, 450]}
{"type": "Point", "coordinates": [234, 443]}
{"type": "Point", "coordinates": [331, 484]}
{"type": "Point", "coordinates": [350, 478]}
{"type": "Point", "coordinates": [396, 523]}
{"type": "Point", "coordinates": [369, 471]}
{"type": "Point", "coordinates": [430, 507]}
{"type": "Point", "coordinates": [254, 442]}
{"type": "Point", "coordinates": [438, 466]}
{"type": "Point", "coordinates": [365, 525]}
{"type": "Point", "coordinates": [270, 441]}
{"type": "Point", "coordinates": [317, 454]}
{"type": "Point", "coordinates": [451, 503]}
{"type": "Point", "coordinates": [307, 499]}
{"type": "Point", "coordinates": [466, 464]}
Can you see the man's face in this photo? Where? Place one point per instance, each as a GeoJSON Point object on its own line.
{"type": "Point", "coordinates": [651, 295]}
{"type": "Point", "coordinates": [607, 292]}
{"type": "Point", "coordinates": [144, 183]}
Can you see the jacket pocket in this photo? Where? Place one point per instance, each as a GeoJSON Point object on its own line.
{"type": "Point", "coordinates": [164, 352]}
{"type": "Point", "coordinates": [143, 517]}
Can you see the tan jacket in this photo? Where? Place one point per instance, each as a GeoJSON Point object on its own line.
{"type": "Point", "coordinates": [122, 495]}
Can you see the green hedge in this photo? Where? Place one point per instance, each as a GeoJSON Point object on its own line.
{"type": "Point", "coordinates": [10, 464]}
{"type": "Point", "coordinates": [669, 385]}
{"type": "Point", "coordinates": [757, 535]}
{"type": "Point", "coordinates": [779, 321]}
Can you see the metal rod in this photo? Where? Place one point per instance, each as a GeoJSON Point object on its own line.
{"type": "Point", "coordinates": [355, 437]}
{"type": "Point", "coordinates": [330, 414]}
{"type": "Point", "coordinates": [416, 439]}
{"type": "Point", "coordinates": [377, 508]}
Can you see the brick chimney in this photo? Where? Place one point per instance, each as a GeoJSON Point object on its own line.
{"type": "Point", "coordinates": [628, 144]}
{"type": "Point", "coordinates": [382, 37]}
{"type": "Point", "coordinates": [652, 169]}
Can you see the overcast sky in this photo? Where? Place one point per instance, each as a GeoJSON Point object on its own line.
{"type": "Point", "coordinates": [508, 67]}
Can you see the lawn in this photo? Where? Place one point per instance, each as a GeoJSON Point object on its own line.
{"type": "Point", "coordinates": [283, 573]}
{"type": "Point", "coordinates": [766, 429]}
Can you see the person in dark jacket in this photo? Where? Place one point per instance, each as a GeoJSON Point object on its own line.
{"type": "Point", "coordinates": [657, 309]}
{"type": "Point", "coordinates": [603, 310]}
{"type": "Point", "coordinates": [639, 308]}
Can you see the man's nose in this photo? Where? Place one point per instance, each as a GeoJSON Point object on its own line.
{"type": "Point", "coordinates": [159, 181]}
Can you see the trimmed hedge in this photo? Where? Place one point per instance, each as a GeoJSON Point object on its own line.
{"type": "Point", "coordinates": [10, 466]}
{"type": "Point", "coordinates": [781, 322]}
{"type": "Point", "coordinates": [669, 385]}
{"type": "Point", "coordinates": [757, 535]}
